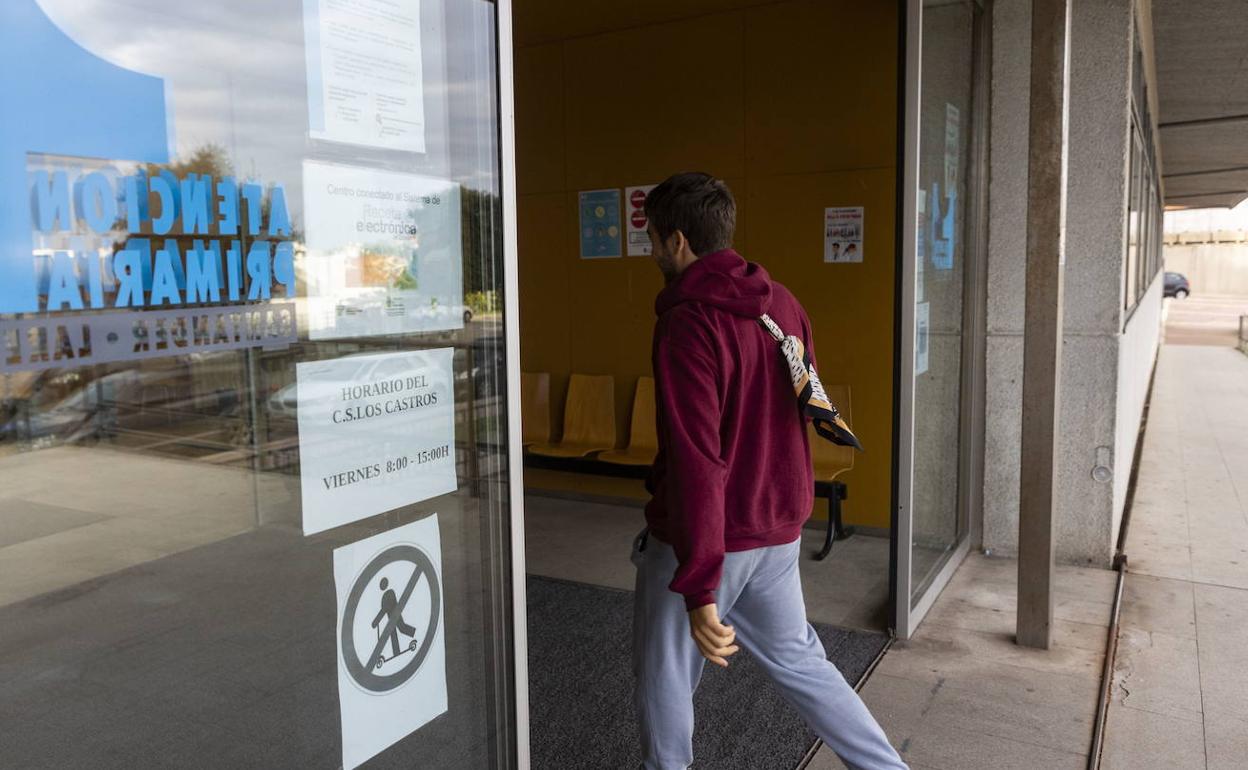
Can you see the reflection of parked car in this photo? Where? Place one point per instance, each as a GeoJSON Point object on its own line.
{"type": "Point", "coordinates": [1177, 286]}
{"type": "Point", "coordinates": [92, 405]}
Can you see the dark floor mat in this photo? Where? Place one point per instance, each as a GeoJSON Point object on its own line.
{"type": "Point", "coordinates": [581, 682]}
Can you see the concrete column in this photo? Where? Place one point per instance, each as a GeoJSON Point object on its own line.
{"type": "Point", "coordinates": [1042, 333]}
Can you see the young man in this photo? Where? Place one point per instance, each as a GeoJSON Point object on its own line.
{"type": "Point", "coordinates": [731, 487]}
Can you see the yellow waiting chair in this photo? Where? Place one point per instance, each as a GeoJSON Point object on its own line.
{"type": "Point", "coordinates": [830, 462]}
{"type": "Point", "coordinates": [535, 408]}
{"type": "Point", "coordinates": [588, 419]}
{"type": "Point", "coordinates": [643, 440]}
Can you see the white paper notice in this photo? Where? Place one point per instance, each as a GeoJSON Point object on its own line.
{"type": "Point", "coordinates": [922, 336]}
{"type": "Point", "coordinates": [391, 648]}
{"type": "Point", "coordinates": [364, 72]}
{"type": "Point", "coordinates": [376, 432]}
{"type": "Point", "coordinates": [635, 220]}
{"type": "Point", "coordinates": [842, 234]}
{"type": "Point", "coordinates": [384, 254]}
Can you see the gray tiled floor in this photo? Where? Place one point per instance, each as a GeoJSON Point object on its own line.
{"type": "Point", "coordinates": [1180, 696]}
{"type": "Point", "coordinates": [961, 694]}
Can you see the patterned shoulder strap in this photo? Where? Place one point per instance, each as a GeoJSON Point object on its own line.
{"type": "Point", "coordinates": [811, 397]}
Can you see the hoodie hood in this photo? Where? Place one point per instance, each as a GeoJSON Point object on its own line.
{"type": "Point", "coordinates": [722, 279]}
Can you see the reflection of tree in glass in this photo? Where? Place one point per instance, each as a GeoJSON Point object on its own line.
{"type": "Point", "coordinates": [482, 234]}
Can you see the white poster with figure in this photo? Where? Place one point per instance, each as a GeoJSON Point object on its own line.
{"type": "Point", "coordinates": [376, 432]}
{"type": "Point", "coordinates": [384, 253]}
{"type": "Point", "coordinates": [842, 234]}
{"type": "Point", "coordinates": [364, 72]}
{"type": "Point", "coordinates": [391, 648]}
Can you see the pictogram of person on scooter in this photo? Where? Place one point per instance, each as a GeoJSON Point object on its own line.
{"type": "Point", "coordinates": [391, 612]}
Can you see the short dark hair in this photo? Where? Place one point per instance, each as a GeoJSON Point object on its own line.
{"type": "Point", "coordinates": [698, 205]}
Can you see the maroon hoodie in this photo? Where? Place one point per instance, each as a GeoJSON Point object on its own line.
{"type": "Point", "coordinates": [733, 470]}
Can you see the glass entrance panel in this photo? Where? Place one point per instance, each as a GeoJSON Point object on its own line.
{"type": "Point", "coordinates": [943, 177]}
{"type": "Point", "coordinates": [253, 427]}
{"type": "Point", "coordinates": [941, 268]}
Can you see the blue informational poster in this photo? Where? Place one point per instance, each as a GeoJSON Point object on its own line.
{"type": "Point", "coordinates": [943, 219]}
{"type": "Point", "coordinates": [600, 224]}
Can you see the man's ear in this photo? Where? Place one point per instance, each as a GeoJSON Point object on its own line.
{"type": "Point", "coordinates": [676, 242]}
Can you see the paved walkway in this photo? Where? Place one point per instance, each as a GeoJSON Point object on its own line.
{"type": "Point", "coordinates": [1204, 319]}
{"type": "Point", "coordinates": [1180, 696]}
{"type": "Point", "coordinates": [961, 694]}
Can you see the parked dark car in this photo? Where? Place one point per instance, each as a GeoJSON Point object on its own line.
{"type": "Point", "coordinates": [1177, 286]}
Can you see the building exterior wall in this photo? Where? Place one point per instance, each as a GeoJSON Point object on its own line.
{"type": "Point", "coordinates": [1095, 244]}
{"type": "Point", "coordinates": [1136, 355]}
{"type": "Point", "coordinates": [1211, 268]}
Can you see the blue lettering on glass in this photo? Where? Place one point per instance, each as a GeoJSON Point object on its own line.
{"type": "Point", "coordinates": [164, 280]}
{"type": "Point", "coordinates": [63, 288]}
{"type": "Point", "coordinates": [196, 192]}
{"type": "Point", "coordinates": [284, 266]}
{"type": "Point", "coordinates": [126, 267]}
{"type": "Point", "coordinates": [136, 196]}
{"type": "Point", "coordinates": [252, 193]}
{"type": "Point", "coordinates": [258, 270]}
{"type": "Point", "coordinates": [203, 272]}
{"type": "Point", "coordinates": [279, 218]}
{"type": "Point", "coordinates": [162, 224]}
{"type": "Point", "coordinates": [99, 205]}
{"type": "Point", "coordinates": [82, 119]}
{"type": "Point", "coordinates": [233, 267]}
{"type": "Point", "coordinates": [227, 206]}
{"type": "Point", "coordinates": [52, 201]}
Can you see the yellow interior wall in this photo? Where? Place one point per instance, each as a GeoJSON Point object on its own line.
{"type": "Point", "coordinates": [793, 104]}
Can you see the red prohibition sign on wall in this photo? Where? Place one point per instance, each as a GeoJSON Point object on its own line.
{"type": "Point", "coordinates": [638, 199]}
{"type": "Point", "coordinates": [639, 220]}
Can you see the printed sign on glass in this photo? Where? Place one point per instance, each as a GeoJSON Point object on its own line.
{"type": "Point", "coordinates": [384, 254]}
{"type": "Point", "coordinates": [365, 81]}
{"type": "Point", "coordinates": [922, 336]}
{"type": "Point", "coordinates": [376, 432]}
{"type": "Point", "coordinates": [390, 638]}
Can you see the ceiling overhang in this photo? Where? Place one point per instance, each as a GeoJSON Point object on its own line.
{"type": "Point", "coordinates": [1202, 91]}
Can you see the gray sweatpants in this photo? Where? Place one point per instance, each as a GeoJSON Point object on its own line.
{"type": "Point", "coordinates": [760, 595]}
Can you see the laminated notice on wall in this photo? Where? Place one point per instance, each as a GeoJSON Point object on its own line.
{"type": "Point", "coordinates": [376, 432]}
{"type": "Point", "coordinates": [600, 224]}
{"type": "Point", "coordinates": [842, 234]}
{"type": "Point", "coordinates": [636, 222]}
{"type": "Point", "coordinates": [391, 644]}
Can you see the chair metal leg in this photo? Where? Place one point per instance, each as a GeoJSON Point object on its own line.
{"type": "Point", "coordinates": [842, 532]}
{"type": "Point", "coordinates": [836, 527]}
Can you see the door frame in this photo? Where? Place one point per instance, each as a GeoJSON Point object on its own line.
{"type": "Point", "coordinates": [906, 617]}
{"type": "Point", "coordinates": [511, 315]}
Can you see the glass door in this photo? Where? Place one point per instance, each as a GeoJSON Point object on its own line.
{"type": "Point", "coordinates": [940, 299]}
{"type": "Point", "coordinates": [256, 500]}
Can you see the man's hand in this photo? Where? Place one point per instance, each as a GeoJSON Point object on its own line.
{"type": "Point", "coordinates": [715, 641]}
